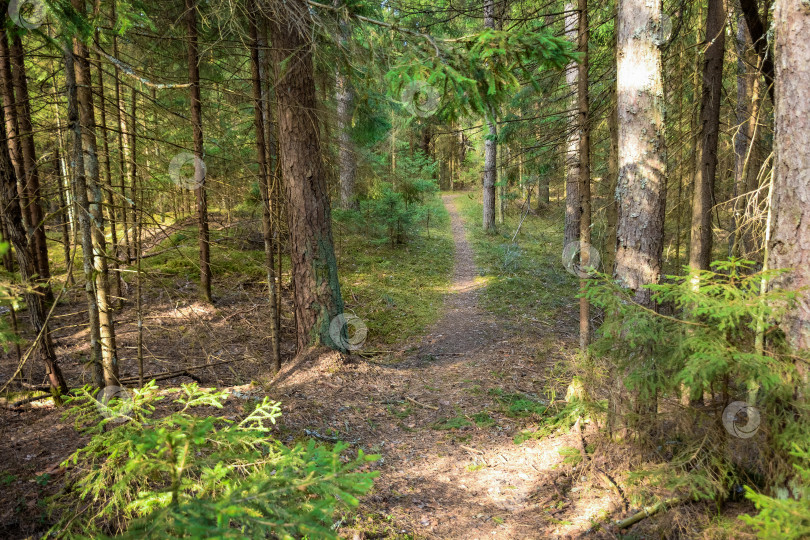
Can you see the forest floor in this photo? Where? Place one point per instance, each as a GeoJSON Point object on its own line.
{"type": "Point", "coordinates": [461, 409]}
{"type": "Point", "coordinates": [441, 415]}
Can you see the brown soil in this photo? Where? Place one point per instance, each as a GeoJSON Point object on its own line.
{"type": "Point", "coordinates": [472, 482]}
{"type": "Point", "coordinates": [468, 482]}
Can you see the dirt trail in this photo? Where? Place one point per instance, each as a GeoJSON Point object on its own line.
{"type": "Point", "coordinates": [468, 482]}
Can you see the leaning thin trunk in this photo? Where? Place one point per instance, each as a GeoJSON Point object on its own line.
{"type": "Point", "coordinates": [25, 259]}
{"type": "Point", "coordinates": [36, 219]}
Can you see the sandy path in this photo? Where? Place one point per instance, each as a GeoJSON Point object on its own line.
{"type": "Point", "coordinates": [468, 483]}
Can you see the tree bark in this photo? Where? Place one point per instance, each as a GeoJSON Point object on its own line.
{"type": "Point", "coordinates": [107, 191]}
{"type": "Point", "coordinates": [264, 183]}
{"type": "Point", "coordinates": [790, 238]}
{"type": "Point", "coordinates": [344, 97]}
{"type": "Point", "coordinates": [490, 144]}
{"type": "Point", "coordinates": [756, 29]}
{"type": "Point", "coordinates": [641, 189]}
{"type": "Point", "coordinates": [83, 213]}
{"type": "Point", "coordinates": [199, 167]}
{"type": "Point", "coordinates": [11, 123]}
{"type": "Point", "coordinates": [91, 194]}
{"type": "Point", "coordinates": [9, 198]}
{"type": "Point", "coordinates": [36, 220]}
{"type": "Point", "coordinates": [700, 245]}
{"type": "Point", "coordinates": [572, 157]}
{"type": "Point", "coordinates": [584, 143]}
{"type": "Point", "coordinates": [314, 267]}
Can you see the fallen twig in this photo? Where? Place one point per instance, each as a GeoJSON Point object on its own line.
{"type": "Point", "coordinates": [648, 511]}
{"type": "Point", "coordinates": [425, 405]}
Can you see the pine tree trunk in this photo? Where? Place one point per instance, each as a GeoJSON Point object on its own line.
{"type": "Point", "coordinates": [572, 157]}
{"type": "Point", "coordinates": [199, 168]}
{"type": "Point", "coordinates": [790, 238]}
{"type": "Point", "coordinates": [11, 122]}
{"type": "Point", "coordinates": [126, 161]}
{"type": "Point", "coordinates": [264, 183]}
{"type": "Point", "coordinates": [700, 246]}
{"type": "Point", "coordinates": [584, 158]}
{"type": "Point", "coordinates": [9, 198]}
{"type": "Point", "coordinates": [490, 144]}
{"type": "Point", "coordinates": [641, 190]}
{"type": "Point", "coordinates": [314, 267]}
{"type": "Point", "coordinates": [107, 184]}
{"type": "Point", "coordinates": [36, 219]}
{"type": "Point", "coordinates": [83, 213]}
{"type": "Point", "coordinates": [100, 273]}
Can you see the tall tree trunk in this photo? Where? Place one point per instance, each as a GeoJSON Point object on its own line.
{"type": "Point", "coordinates": [11, 122]}
{"type": "Point", "coordinates": [107, 191]}
{"type": "Point", "coordinates": [100, 274]}
{"type": "Point", "coordinates": [344, 97]}
{"type": "Point", "coordinates": [126, 162]}
{"type": "Point", "coordinates": [199, 167]}
{"type": "Point", "coordinates": [572, 157]}
{"type": "Point", "coordinates": [756, 29]}
{"type": "Point", "coordinates": [39, 244]}
{"type": "Point", "coordinates": [314, 267]}
{"type": "Point", "coordinates": [747, 159]}
{"type": "Point", "coordinates": [641, 189]}
{"type": "Point", "coordinates": [700, 246]}
{"type": "Point", "coordinates": [9, 198]}
{"type": "Point", "coordinates": [584, 129]}
{"type": "Point", "coordinates": [612, 211]}
{"type": "Point", "coordinates": [83, 213]}
{"type": "Point", "coordinates": [490, 144]}
{"type": "Point", "coordinates": [790, 238]}
{"type": "Point", "coordinates": [264, 182]}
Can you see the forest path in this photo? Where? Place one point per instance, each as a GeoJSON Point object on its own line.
{"type": "Point", "coordinates": [450, 467]}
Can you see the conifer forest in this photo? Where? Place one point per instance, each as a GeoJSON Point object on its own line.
{"type": "Point", "coordinates": [458, 269]}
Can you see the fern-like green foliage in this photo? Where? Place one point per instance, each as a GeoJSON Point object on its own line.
{"type": "Point", "coordinates": [705, 341]}
{"type": "Point", "coordinates": [709, 341]}
{"type": "Point", "coordinates": [474, 74]}
{"type": "Point", "coordinates": [189, 474]}
{"type": "Point", "coordinates": [784, 519]}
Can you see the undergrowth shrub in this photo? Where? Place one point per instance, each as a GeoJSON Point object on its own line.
{"type": "Point", "coordinates": [397, 209]}
{"type": "Point", "coordinates": [703, 347]}
{"type": "Point", "coordinates": [191, 474]}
